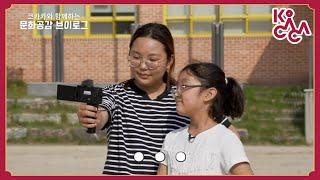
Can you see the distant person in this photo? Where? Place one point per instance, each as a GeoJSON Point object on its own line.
{"type": "Point", "coordinates": [205, 147]}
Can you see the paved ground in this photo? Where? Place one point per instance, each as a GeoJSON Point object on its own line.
{"type": "Point", "coordinates": [89, 160]}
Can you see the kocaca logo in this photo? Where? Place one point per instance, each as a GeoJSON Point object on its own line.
{"type": "Point", "coordinates": [285, 27]}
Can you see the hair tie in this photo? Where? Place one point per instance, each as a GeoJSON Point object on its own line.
{"type": "Point", "coordinates": [226, 80]}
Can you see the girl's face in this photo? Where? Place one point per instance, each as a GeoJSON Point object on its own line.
{"type": "Point", "coordinates": [148, 61]}
{"type": "Point", "coordinates": [188, 95]}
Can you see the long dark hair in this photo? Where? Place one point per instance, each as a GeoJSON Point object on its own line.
{"type": "Point", "coordinates": [229, 100]}
{"type": "Point", "coordinates": [162, 34]}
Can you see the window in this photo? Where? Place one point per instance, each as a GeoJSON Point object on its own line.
{"type": "Point", "coordinates": [101, 10]}
{"type": "Point", "coordinates": [95, 20]}
{"type": "Point", "coordinates": [202, 18]}
{"type": "Point", "coordinates": [246, 19]}
{"type": "Point", "coordinates": [234, 26]}
{"type": "Point", "coordinates": [178, 22]}
{"type": "Point", "coordinates": [100, 28]}
{"type": "Point", "coordinates": [125, 10]}
{"type": "Point", "coordinates": [259, 9]}
{"type": "Point", "coordinates": [233, 10]}
{"type": "Point", "coordinates": [196, 20]}
{"type": "Point", "coordinates": [79, 10]}
{"type": "Point", "coordinates": [259, 18]}
{"type": "Point", "coordinates": [185, 19]}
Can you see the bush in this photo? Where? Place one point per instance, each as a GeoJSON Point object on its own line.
{"type": "Point", "coordinates": [16, 89]}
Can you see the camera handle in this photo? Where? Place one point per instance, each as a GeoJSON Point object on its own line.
{"type": "Point", "coordinates": [89, 83]}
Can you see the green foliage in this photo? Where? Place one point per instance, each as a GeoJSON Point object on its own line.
{"type": "Point", "coordinates": [273, 115]}
{"type": "Point", "coordinates": [16, 89]}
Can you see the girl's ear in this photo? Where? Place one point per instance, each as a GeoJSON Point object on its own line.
{"type": "Point", "coordinates": [210, 94]}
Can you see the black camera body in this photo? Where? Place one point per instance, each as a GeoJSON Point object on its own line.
{"type": "Point", "coordinates": [85, 93]}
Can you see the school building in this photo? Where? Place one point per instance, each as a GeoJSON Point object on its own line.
{"type": "Point", "coordinates": [97, 49]}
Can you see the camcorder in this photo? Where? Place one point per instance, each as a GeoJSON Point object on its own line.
{"type": "Point", "coordinates": [85, 93]}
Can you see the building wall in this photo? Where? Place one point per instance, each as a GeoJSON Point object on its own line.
{"type": "Point", "coordinates": [253, 60]}
{"type": "Point", "coordinates": [21, 49]}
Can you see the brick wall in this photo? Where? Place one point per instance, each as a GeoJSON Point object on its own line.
{"type": "Point", "coordinates": [22, 51]}
{"type": "Point", "coordinates": [266, 61]}
{"type": "Point", "coordinates": [254, 60]}
{"type": "Point", "coordinates": [150, 13]}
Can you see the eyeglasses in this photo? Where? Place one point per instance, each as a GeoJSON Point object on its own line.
{"type": "Point", "coordinates": [151, 63]}
{"type": "Point", "coordinates": [182, 88]}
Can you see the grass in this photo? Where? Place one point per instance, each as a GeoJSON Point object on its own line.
{"type": "Point", "coordinates": [16, 89]}
{"type": "Point", "coordinates": [264, 106]}
{"type": "Point", "coordinates": [46, 109]}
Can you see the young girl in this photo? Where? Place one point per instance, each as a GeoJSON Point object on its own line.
{"type": "Point", "coordinates": [138, 113]}
{"type": "Point", "coordinates": [205, 147]}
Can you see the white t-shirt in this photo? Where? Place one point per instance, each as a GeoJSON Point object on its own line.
{"type": "Point", "coordinates": [213, 152]}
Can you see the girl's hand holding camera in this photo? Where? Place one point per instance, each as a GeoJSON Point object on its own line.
{"type": "Point", "coordinates": [90, 116]}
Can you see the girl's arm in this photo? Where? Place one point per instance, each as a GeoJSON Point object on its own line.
{"type": "Point", "coordinates": [241, 169]}
{"type": "Point", "coordinates": [162, 170]}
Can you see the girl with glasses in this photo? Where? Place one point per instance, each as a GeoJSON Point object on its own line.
{"type": "Point", "coordinates": [205, 147]}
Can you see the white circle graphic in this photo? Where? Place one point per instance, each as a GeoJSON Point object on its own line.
{"type": "Point", "coordinates": [180, 156]}
{"type": "Point", "coordinates": [160, 156]}
{"type": "Point", "coordinates": [138, 156]}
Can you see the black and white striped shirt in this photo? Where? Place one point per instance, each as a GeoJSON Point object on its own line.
{"type": "Point", "coordinates": [137, 124]}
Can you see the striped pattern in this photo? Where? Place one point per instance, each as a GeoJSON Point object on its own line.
{"type": "Point", "coordinates": [138, 124]}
